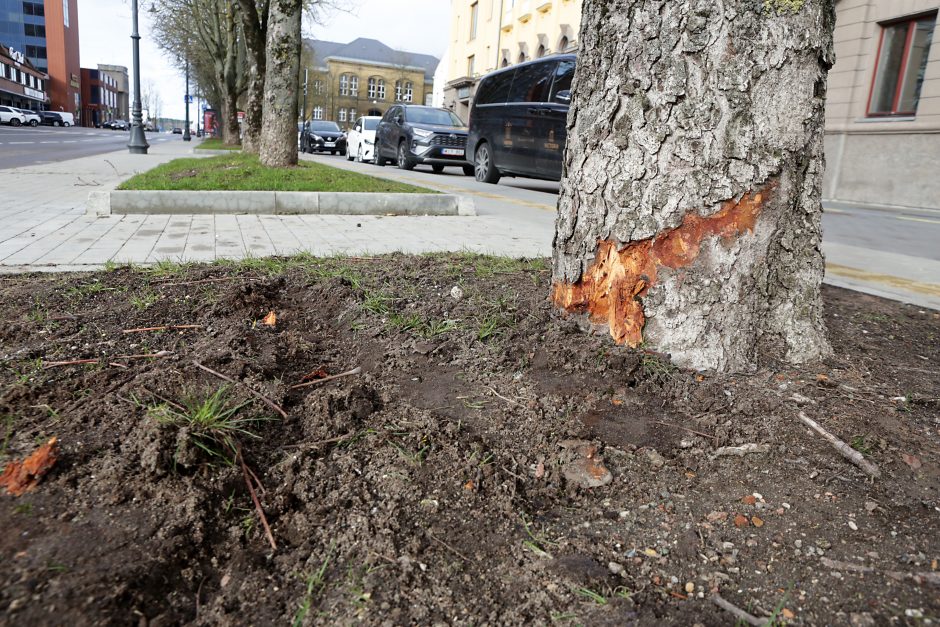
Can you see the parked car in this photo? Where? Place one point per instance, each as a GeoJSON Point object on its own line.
{"type": "Point", "coordinates": [177, 131]}
{"type": "Point", "coordinates": [32, 118]}
{"type": "Point", "coordinates": [360, 141]}
{"type": "Point", "coordinates": [51, 118]}
{"type": "Point", "coordinates": [11, 116]}
{"type": "Point", "coordinates": [323, 136]}
{"type": "Point", "coordinates": [518, 121]}
{"type": "Point", "coordinates": [68, 119]}
{"type": "Point", "coordinates": [117, 125]}
{"type": "Point", "coordinates": [410, 135]}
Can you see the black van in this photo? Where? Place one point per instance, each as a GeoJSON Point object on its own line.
{"type": "Point", "coordinates": [518, 120]}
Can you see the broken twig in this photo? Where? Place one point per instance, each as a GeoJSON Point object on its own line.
{"type": "Point", "coordinates": [742, 450]}
{"type": "Point", "coordinates": [921, 578]}
{"type": "Point", "coordinates": [669, 424]}
{"type": "Point", "coordinates": [354, 371]}
{"type": "Point", "coordinates": [254, 498]}
{"type": "Point", "coordinates": [844, 449]}
{"type": "Point", "coordinates": [267, 401]}
{"type": "Point", "coordinates": [737, 611]}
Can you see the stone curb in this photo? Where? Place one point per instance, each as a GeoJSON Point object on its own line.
{"type": "Point", "coordinates": [277, 203]}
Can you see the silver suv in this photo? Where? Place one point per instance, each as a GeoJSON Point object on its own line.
{"type": "Point", "coordinates": [32, 118]}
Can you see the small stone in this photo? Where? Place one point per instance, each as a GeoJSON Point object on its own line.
{"type": "Point", "coordinates": [853, 526]}
{"type": "Point", "coordinates": [798, 544]}
{"type": "Point", "coordinates": [740, 521]}
{"type": "Point", "coordinates": [656, 460]}
{"type": "Point", "coordinates": [690, 587]}
{"type": "Point", "coordinates": [456, 293]}
{"type": "Point", "coordinates": [757, 522]}
{"type": "Point", "coordinates": [587, 473]}
{"type": "Point", "coordinates": [870, 506]}
{"type": "Point", "coordinates": [615, 568]}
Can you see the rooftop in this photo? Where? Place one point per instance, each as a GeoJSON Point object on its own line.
{"type": "Point", "coordinates": [371, 50]}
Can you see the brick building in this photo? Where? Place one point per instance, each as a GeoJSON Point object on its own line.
{"type": "Point", "coordinates": [363, 77]}
{"type": "Point", "coordinates": [99, 98]}
{"type": "Point", "coordinates": [46, 32]}
{"type": "Point", "coordinates": [21, 84]}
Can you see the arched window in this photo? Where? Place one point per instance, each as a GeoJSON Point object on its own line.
{"type": "Point", "coordinates": [344, 85]}
{"type": "Point", "coordinates": [318, 113]}
{"type": "Point", "coordinates": [505, 62]}
{"type": "Point", "coordinates": [353, 85]}
{"type": "Point", "coordinates": [522, 58]}
{"type": "Point", "coordinates": [409, 91]}
{"type": "Point", "coordinates": [541, 51]}
{"type": "Point", "coordinates": [381, 89]}
{"type": "Point", "coordinates": [563, 44]}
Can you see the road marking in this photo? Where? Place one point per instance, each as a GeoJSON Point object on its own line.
{"type": "Point", "coordinates": [927, 220]}
{"type": "Point", "coordinates": [20, 143]}
{"type": "Point", "coordinates": [929, 289]}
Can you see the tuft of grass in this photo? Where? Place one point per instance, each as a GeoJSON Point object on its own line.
{"type": "Point", "coordinates": [244, 172]}
{"type": "Point", "coordinates": [536, 542]}
{"type": "Point", "coordinates": [406, 323]}
{"type": "Point", "coordinates": [377, 303]}
{"type": "Point", "coordinates": [24, 509]}
{"type": "Point", "coordinates": [597, 597]}
{"type": "Point", "coordinates": [145, 299]}
{"type": "Point", "coordinates": [211, 422]}
{"type": "Point", "coordinates": [316, 581]}
{"type": "Point", "coordinates": [165, 269]}
{"type": "Point", "coordinates": [433, 328]}
{"type": "Point", "coordinates": [89, 289]}
{"type": "Point", "coordinates": [860, 445]}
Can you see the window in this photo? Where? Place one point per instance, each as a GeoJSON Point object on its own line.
{"type": "Point", "coordinates": [372, 88]}
{"type": "Point", "coordinates": [398, 91]}
{"type": "Point", "coordinates": [352, 114]}
{"type": "Point", "coordinates": [474, 12]}
{"type": "Point", "coordinates": [563, 44]}
{"type": "Point", "coordinates": [532, 83]}
{"type": "Point", "coordinates": [541, 51]}
{"type": "Point", "coordinates": [902, 63]}
{"type": "Point", "coordinates": [563, 76]}
{"type": "Point", "coordinates": [342, 115]}
{"type": "Point", "coordinates": [343, 85]}
{"type": "Point", "coordinates": [495, 89]}
{"type": "Point", "coordinates": [318, 87]}
{"type": "Point", "coordinates": [65, 12]}
{"type": "Point", "coordinates": [471, 63]}
{"type": "Point", "coordinates": [381, 89]}
{"type": "Point", "coordinates": [353, 85]}
{"type": "Point", "coordinates": [318, 113]}
{"type": "Point", "coordinates": [428, 100]}
{"type": "Point", "coordinates": [409, 91]}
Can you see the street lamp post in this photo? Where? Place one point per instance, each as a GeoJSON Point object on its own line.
{"type": "Point", "coordinates": [186, 134]}
{"type": "Point", "coordinates": [138, 144]}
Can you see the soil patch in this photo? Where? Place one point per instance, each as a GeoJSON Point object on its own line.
{"type": "Point", "coordinates": [443, 484]}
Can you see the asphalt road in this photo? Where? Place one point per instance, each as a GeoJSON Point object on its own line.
{"type": "Point", "coordinates": [26, 145]}
{"type": "Point", "coordinates": [911, 232]}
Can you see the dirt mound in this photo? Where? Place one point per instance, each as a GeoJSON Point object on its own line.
{"type": "Point", "coordinates": [444, 483]}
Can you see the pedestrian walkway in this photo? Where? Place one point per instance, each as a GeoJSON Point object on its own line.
{"type": "Point", "coordinates": [43, 227]}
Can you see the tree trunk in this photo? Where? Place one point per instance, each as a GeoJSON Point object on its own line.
{"type": "Point", "coordinates": [689, 215]}
{"type": "Point", "coordinates": [254, 16]}
{"type": "Point", "coordinates": [282, 67]}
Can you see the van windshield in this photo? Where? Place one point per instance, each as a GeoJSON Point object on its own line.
{"type": "Point", "coordinates": [439, 117]}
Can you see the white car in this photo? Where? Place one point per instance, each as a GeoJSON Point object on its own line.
{"type": "Point", "coordinates": [68, 119]}
{"type": "Point", "coordinates": [11, 116]}
{"type": "Point", "coordinates": [360, 141]}
{"type": "Point", "coordinates": [32, 118]}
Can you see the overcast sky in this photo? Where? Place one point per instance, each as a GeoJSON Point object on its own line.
{"type": "Point", "coordinates": [105, 26]}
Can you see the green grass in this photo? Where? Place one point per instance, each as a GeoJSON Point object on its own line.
{"type": "Point", "coordinates": [241, 172]}
{"type": "Point", "coordinates": [316, 581]}
{"type": "Point", "coordinates": [214, 143]}
{"type": "Point", "coordinates": [210, 420]}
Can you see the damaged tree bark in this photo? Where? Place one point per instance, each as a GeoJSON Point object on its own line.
{"type": "Point", "coordinates": [689, 215]}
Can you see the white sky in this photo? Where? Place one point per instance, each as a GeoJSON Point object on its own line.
{"type": "Point", "coordinates": [105, 26]}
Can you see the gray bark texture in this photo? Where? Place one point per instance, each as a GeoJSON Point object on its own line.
{"type": "Point", "coordinates": [254, 15]}
{"type": "Point", "coordinates": [282, 67]}
{"type": "Point", "coordinates": [689, 214]}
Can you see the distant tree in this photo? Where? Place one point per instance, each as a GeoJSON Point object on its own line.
{"type": "Point", "coordinates": [689, 214]}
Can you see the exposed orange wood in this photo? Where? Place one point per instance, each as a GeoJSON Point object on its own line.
{"type": "Point", "coordinates": [611, 290]}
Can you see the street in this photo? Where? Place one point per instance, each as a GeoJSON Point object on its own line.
{"type": "Point", "coordinates": [908, 232]}
{"type": "Point", "coordinates": [28, 145]}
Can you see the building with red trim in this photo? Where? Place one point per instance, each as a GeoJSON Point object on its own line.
{"type": "Point", "coordinates": [21, 84]}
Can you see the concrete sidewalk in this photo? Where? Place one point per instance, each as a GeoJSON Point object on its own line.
{"type": "Point", "coordinates": [43, 227]}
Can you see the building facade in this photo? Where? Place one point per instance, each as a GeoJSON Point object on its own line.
{"type": "Point", "coordinates": [490, 34]}
{"type": "Point", "coordinates": [883, 107]}
{"type": "Point", "coordinates": [21, 84]}
{"type": "Point", "coordinates": [99, 98]}
{"type": "Point", "coordinates": [46, 32]}
{"type": "Point", "coordinates": [363, 77]}
{"type": "Point", "coordinates": [118, 74]}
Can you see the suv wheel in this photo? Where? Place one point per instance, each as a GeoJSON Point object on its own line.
{"type": "Point", "coordinates": [377, 158]}
{"type": "Point", "coordinates": [404, 162]}
{"type": "Point", "coordinates": [483, 167]}
{"type": "Point", "coordinates": [15, 122]}
{"type": "Point", "coordinates": [33, 123]}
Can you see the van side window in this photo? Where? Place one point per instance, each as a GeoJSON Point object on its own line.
{"type": "Point", "coordinates": [563, 76]}
{"type": "Point", "coordinates": [532, 83]}
{"type": "Point", "coordinates": [496, 89]}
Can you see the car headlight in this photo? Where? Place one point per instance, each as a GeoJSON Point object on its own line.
{"type": "Point", "coordinates": [422, 134]}
{"type": "Point", "coordinates": [342, 136]}
{"type": "Point", "coordinates": [317, 138]}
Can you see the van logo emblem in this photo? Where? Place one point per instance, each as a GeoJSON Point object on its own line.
{"type": "Point", "coordinates": [453, 136]}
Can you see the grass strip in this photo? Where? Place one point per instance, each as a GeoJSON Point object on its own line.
{"type": "Point", "coordinates": [216, 143]}
{"type": "Point", "coordinates": [243, 172]}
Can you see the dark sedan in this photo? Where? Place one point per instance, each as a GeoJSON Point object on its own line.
{"type": "Point", "coordinates": [51, 118]}
{"type": "Point", "coordinates": [410, 135]}
{"type": "Point", "coordinates": [322, 136]}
